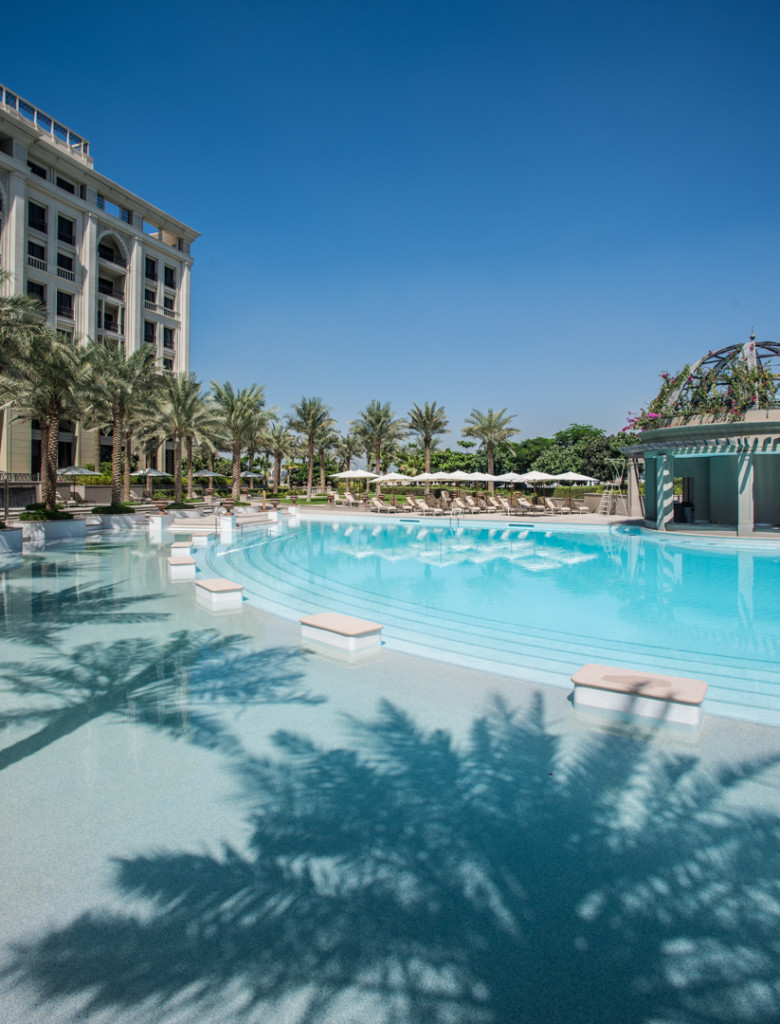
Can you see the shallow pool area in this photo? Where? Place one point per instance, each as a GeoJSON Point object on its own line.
{"type": "Point", "coordinates": [201, 821]}
{"type": "Point", "coordinates": [536, 601]}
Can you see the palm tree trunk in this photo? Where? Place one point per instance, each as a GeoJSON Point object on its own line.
{"type": "Point", "coordinates": [322, 472]}
{"type": "Point", "coordinates": [50, 456]}
{"type": "Point", "coordinates": [277, 473]}
{"type": "Point", "coordinates": [236, 492]}
{"type": "Point", "coordinates": [116, 458]}
{"type": "Point", "coordinates": [491, 463]}
{"type": "Point", "coordinates": [427, 468]}
{"type": "Point", "coordinates": [377, 464]}
{"type": "Point", "coordinates": [177, 488]}
{"type": "Point", "coordinates": [128, 453]}
{"type": "Point", "coordinates": [44, 462]}
{"type": "Point", "coordinates": [189, 467]}
{"type": "Point", "coordinates": [311, 468]}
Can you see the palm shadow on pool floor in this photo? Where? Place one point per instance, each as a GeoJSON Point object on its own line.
{"type": "Point", "coordinates": [399, 879]}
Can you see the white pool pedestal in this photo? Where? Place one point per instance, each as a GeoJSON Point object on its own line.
{"type": "Point", "coordinates": [646, 698]}
{"type": "Point", "coordinates": [181, 548]}
{"type": "Point", "coordinates": [342, 631]}
{"type": "Point", "coordinates": [219, 595]}
{"type": "Point", "coordinates": [181, 567]}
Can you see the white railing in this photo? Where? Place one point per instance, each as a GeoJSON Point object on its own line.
{"type": "Point", "coordinates": [56, 131]}
{"type": "Point", "coordinates": [33, 261]}
{"type": "Point", "coordinates": [67, 274]}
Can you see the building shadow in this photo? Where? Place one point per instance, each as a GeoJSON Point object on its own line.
{"type": "Point", "coordinates": [401, 878]}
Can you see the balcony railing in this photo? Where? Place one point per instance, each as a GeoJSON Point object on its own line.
{"type": "Point", "coordinates": [33, 261]}
{"type": "Point", "coordinates": [114, 293]}
{"type": "Point", "coordinates": [65, 312]}
{"type": "Point", "coordinates": [110, 256]}
{"type": "Point", "coordinates": [67, 274]}
{"type": "Point", "coordinates": [150, 305]}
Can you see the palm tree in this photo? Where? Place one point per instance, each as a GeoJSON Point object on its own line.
{"type": "Point", "coordinates": [310, 416]}
{"type": "Point", "coordinates": [379, 430]}
{"type": "Point", "coordinates": [492, 429]}
{"type": "Point", "coordinates": [324, 441]}
{"type": "Point", "coordinates": [50, 376]}
{"type": "Point", "coordinates": [256, 424]}
{"type": "Point", "coordinates": [117, 387]}
{"type": "Point", "coordinates": [347, 447]}
{"type": "Point", "coordinates": [22, 317]}
{"type": "Point", "coordinates": [428, 423]}
{"type": "Point", "coordinates": [236, 409]}
{"type": "Point", "coordinates": [277, 439]}
{"type": "Point", "coordinates": [184, 414]}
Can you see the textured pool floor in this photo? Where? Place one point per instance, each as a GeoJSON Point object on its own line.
{"type": "Point", "coordinates": [201, 822]}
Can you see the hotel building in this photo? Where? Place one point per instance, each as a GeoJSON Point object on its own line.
{"type": "Point", "coordinates": [106, 264]}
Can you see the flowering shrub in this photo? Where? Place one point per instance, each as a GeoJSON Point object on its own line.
{"type": "Point", "coordinates": [726, 392]}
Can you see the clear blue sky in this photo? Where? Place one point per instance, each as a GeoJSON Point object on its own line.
{"type": "Point", "coordinates": [530, 205]}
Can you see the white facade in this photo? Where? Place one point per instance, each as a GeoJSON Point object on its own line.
{"type": "Point", "coordinates": [107, 264]}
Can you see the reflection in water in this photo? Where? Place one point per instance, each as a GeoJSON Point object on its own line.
{"type": "Point", "coordinates": [536, 601]}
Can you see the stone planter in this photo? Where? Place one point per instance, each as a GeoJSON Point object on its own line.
{"type": "Point", "coordinates": [39, 533]}
{"type": "Point", "coordinates": [11, 540]}
{"type": "Point", "coordinates": [117, 524]}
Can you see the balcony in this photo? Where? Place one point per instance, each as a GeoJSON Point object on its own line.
{"type": "Point", "coordinates": [110, 326]}
{"type": "Point", "coordinates": [67, 237]}
{"type": "Point", "coordinates": [111, 291]}
{"type": "Point", "coordinates": [65, 312]}
{"type": "Point", "coordinates": [33, 261]}
{"type": "Point", "coordinates": [111, 256]}
{"type": "Point", "coordinates": [68, 275]}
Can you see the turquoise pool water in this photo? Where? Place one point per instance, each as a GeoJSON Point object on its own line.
{"type": "Point", "coordinates": [535, 601]}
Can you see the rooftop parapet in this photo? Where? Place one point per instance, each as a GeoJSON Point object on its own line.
{"type": "Point", "coordinates": [56, 132]}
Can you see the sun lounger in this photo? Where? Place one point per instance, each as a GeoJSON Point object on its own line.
{"type": "Point", "coordinates": [554, 509]}
{"type": "Point", "coordinates": [421, 506]}
{"type": "Point", "coordinates": [377, 505]}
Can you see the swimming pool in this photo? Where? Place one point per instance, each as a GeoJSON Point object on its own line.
{"type": "Point", "coordinates": [535, 601]}
{"type": "Point", "coordinates": [200, 821]}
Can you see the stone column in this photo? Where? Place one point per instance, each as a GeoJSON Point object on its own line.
{"type": "Point", "coordinates": [664, 491]}
{"type": "Point", "coordinates": [134, 294]}
{"type": "Point", "coordinates": [745, 517]}
{"type": "Point", "coordinates": [634, 498]}
{"type": "Point", "coordinates": [14, 254]}
{"type": "Point", "coordinates": [182, 364]}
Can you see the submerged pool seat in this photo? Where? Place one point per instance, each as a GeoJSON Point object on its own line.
{"type": "Point", "coordinates": [631, 694]}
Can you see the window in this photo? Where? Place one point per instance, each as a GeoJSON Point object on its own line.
{"type": "Point", "coordinates": [170, 277]}
{"type": "Point", "coordinates": [151, 269]}
{"type": "Point", "coordinates": [36, 290]}
{"type": "Point", "coordinates": [150, 332]}
{"type": "Point", "coordinates": [66, 230]}
{"type": "Point", "coordinates": [168, 304]}
{"type": "Point", "coordinates": [37, 251]}
{"type": "Point", "coordinates": [168, 337]}
{"type": "Point", "coordinates": [66, 185]}
{"type": "Point", "coordinates": [150, 295]}
{"type": "Point", "coordinates": [105, 287]}
{"type": "Point", "coordinates": [64, 262]}
{"type": "Point", "coordinates": [37, 169]}
{"type": "Point", "coordinates": [65, 305]}
{"type": "Point", "coordinates": [167, 364]}
{"type": "Point", "coordinates": [36, 217]}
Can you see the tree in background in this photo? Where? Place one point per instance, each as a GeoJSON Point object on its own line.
{"type": "Point", "coordinates": [429, 423]}
{"type": "Point", "coordinates": [50, 374]}
{"type": "Point", "coordinates": [380, 430]}
{"type": "Point", "coordinates": [309, 417]}
{"type": "Point", "coordinates": [277, 439]}
{"type": "Point", "coordinates": [237, 408]}
{"type": "Point", "coordinates": [117, 387]}
{"type": "Point", "coordinates": [493, 430]}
